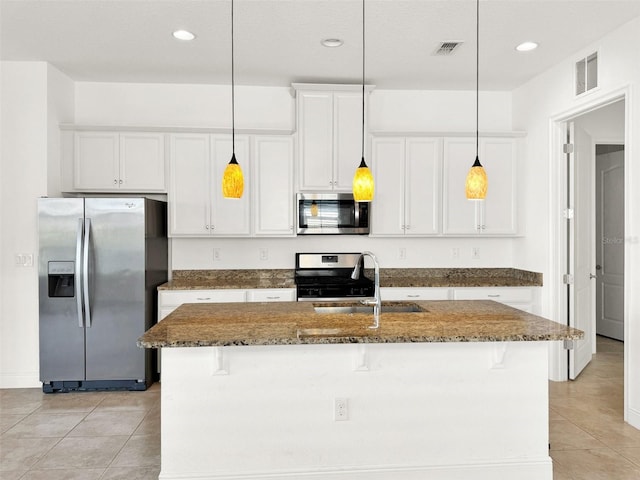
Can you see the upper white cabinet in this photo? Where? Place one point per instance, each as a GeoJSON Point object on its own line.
{"type": "Point", "coordinates": [273, 198]}
{"type": "Point", "coordinates": [329, 124]}
{"type": "Point", "coordinates": [408, 177]}
{"type": "Point", "coordinates": [108, 161]}
{"type": "Point", "coordinates": [496, 215]}
{"type": "Point", "coordinates": [196, 204]}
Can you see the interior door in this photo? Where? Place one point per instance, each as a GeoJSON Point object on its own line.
{"type": "Point", "coordinates": [610, 241]}
{"type": "Point", "coordinates": [580, 245]}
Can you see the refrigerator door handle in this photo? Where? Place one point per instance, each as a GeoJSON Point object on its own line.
{"type": "Point", "coordinates": [85, 272]}
{"type": "Point", "coordinates": [78, 272]}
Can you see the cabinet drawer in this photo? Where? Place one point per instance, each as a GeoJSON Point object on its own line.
{"type": "Point", "coordinates": [500, 294]}
{"type": "Point", "coordinates": [178, 297]}
{"type": "Point", "coordinates": [414, 293]}
{"type": "Point", "coordinates": [272, 295]}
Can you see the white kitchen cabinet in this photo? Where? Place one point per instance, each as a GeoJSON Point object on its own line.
{"type": "Point", "coordinates": [113, 161]}
{"type": "Point", "coordinates": [273, 198]}
{"type": "Point", "coordinates": [169, 300]}
{"type": "Point", "coordinates": [523, 298]}
{"type": "Point", "coordinates": [496, 215]}
{"type": "Point", "coordinates": [196, 204]}
{"type": "Point", "coordinates": [407, 171]}
{"type": "Point", "coordinates": [414, 293]}
{"type": "Point", "coordinates": [329, 124]}
{"type": "Point", "coordinates": [271, 295]}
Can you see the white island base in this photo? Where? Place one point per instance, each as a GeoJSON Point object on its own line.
{"type": "Point", "coordinates": [415, 411]}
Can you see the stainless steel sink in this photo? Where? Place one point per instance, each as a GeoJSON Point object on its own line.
{"type": "Point", "coordinates": [351, 309]}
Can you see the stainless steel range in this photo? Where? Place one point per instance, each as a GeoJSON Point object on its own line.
{"type": "Point", "coordinates": [327, 277]}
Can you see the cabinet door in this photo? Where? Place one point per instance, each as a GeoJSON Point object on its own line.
{"type": "Point", "coordinates": [189, 187]}
{"type": "Point", "coordinates": [230, 216]}
{"type": "Point", "coordinates": [459, 214]}
{"type": "Point", "coordinates": [347, 138]}
{"type": "Point", "coordinates": [315, 140]}
{"type": "Point", "coordinates": [499, 212]}
{"type": "Point", "coordinates": [422, 186]}
{"type": "Point", "coordinates": [387, 209]}
{"type": "Point", "coordinates": [96, 161]}
{"type": "Point", "coordinates": [142, 162]}
{"type": "Point", "coordinates": [273, 200]}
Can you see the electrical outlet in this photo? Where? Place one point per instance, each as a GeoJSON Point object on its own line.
{"type": "Point", "coordinates": [455, 252]}
{"type": "Point", "coordinates": [475, 253]}
{"type": "Point", "coordinates": [402, 253]}
{"type": "Point", "coordinates": [340, 409]}
{"type": "Point", "coordinates": [216, 254]}
{"type": "Point", "coordinates": [264, 254]}
{"type": "Point", "coordinates": [24, 259]}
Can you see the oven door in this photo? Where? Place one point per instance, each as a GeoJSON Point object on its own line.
{"type": "Point", "coordinates": [331, 213]}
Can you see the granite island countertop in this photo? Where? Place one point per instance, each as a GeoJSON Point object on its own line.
{"type": "Point", "coordinates": [389, 277]}
{"type": "Point", "coordinates": [290, 323]}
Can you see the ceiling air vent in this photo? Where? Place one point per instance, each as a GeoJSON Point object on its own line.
{"type": "Point", "coordinates": [447, 48]}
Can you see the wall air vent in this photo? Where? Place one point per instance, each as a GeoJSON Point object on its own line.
{"type": "Point", "coordinates": [447, 48]}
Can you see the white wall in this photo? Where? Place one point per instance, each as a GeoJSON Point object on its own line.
{"type": "Point", "coordinates": [35, 98]}
{"type": "Point", "coordinates": [548, 96]}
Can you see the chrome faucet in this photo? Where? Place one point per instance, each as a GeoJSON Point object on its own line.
{"type": "Point", "coordinates": [376, 302]}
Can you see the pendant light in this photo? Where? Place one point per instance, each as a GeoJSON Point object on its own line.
{"type": "Point", "coordinates": [363, 185]}
{"type": "Point", "coordinates": [476, 185]}
{"type": "Point", "coordinates": [232, 180]}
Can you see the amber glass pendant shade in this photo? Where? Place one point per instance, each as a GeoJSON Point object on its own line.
{"type": "Point", "coordinates": [363, 185]}
{"type": "Point", "coordinates": [232, 180]}
{"type": "Point", "coordinates": [476, 185]}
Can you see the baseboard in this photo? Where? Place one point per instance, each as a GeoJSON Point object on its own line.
{"type": "Point", "coordinates": [20, 380]}
{"type": "Point", "coordinates": [634, 418]}
{"type": "Point", "coordinates": [532, 470]}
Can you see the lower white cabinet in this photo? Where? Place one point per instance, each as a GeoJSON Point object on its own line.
{"type": "Point", "coordinates": [414, 293]}
{"type": "Point", "coordinates": [523, 298]}
{"type": "Point", "coordinates": [169, 300]}
{"type": "Point", "coordinates": [271, 295]}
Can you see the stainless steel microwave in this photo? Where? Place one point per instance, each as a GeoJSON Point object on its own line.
{"type": "Point", "coordinates": [331, 213]}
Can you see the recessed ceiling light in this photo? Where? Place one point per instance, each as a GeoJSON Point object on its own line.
{"type": "Point", "coordinates": [183, 35]}
{"type": "Point", "coordinates": [332, 42]}
{"type": "Point", "coordinates": [527, 46]}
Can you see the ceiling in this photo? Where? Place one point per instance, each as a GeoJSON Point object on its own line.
{"type": "Point", "coordinates": [277, 42]}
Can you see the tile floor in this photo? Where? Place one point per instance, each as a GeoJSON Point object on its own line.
{"type": "Point", "coordinates": [116, 435]}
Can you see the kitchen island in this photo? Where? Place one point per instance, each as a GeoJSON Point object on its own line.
{"type": "Point", "coordinates": [456, 389]}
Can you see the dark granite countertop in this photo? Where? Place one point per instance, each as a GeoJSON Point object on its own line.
{"type": "Point", "coordinates": [288, 323]}
{"type": "Point", "coordinates": [389, 277]}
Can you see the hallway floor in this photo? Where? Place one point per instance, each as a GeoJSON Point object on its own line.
{"type": "Point", "coordinates": [116, 435]}
{"type": "Point", "coordinates": [589, 439]}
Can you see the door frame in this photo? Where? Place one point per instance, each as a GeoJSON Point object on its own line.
{"type": "Point", "coordinates": [558, 238]}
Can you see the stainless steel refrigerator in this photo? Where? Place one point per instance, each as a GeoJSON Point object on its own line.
{"type": "Point", "coordinates": [100, 261]}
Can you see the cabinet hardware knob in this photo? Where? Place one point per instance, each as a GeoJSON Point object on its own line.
{"type": "Point", "coordinates": [413, 296]}
{"type": "Point", "coordinates": [203, 298]}
{"type": "Point", "coordinates": [120, 182]}
{"type": "Point", "coordinates": [115, 182]}
{"type": "Point", "coordinates": [207, 227]}
{"type": "Point", "coordinates": [273, 298]}
{"type": "Point", "coordinates": [598, 267]}
{"type": "Point", "coordinates": [591, 276]}
{"type": "Point", "coordinates": [495, 295]}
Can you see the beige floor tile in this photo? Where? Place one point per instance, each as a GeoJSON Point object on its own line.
{"type": "Point", "coordinates": [150, 424]}
{"type": "Point", "coordinates": [41, 425]}
{"type": "Point", "coordinates": [22, 453]}
{"type": "Point", "coordinates": [632, 454]}
{"type": "Point", "coordinates": [140, 451]}
{"type": "Point", "coordinates": [595, 464]}
{"type": "Point", "coordinates": [82, 452]}
{"type": "Point", "coordinates": [66, 474]}
{"type": "Point", "coordinates": [19, 402]}
{"type": "Point", "coordinates": [564, 435]}
{"type": "Point", "coordinates": [12, 474]}
{"type": "Point", "coordinates": [119, 401]}
{"type": "Point", "coordinates": [72, 402]}
{"type": "Point", "coordinates": [561, 472]}
{"type": "Point", "coordinates": [105, 423]}
{"type": "Point", "coordinates": [8, 421]}
{"type": "Point", "coordinates": [611, 431]}
{"type": "Point", "coordinates": [132, 473]}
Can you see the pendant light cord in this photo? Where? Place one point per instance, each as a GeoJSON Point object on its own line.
{"type": "Point", "coordinates": [363, 80]}
{"type": "Point", "coordinates": [477, 72]}
{"type": "Point", "coordinates": [233, 105]}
